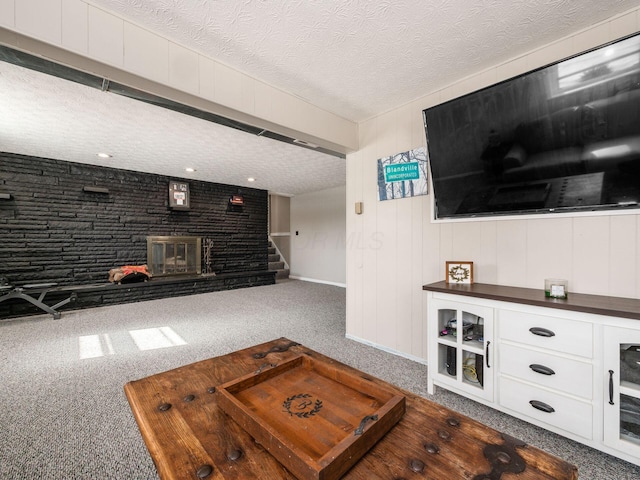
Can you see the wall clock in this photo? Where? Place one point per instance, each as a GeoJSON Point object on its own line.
{"type": "Point", "coordinates": [459, 272]}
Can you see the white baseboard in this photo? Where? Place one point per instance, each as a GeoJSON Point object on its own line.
{"type": "Point", "coordinates": [313, 280]}
{"type": "Point", "coordinates": [387, 349]}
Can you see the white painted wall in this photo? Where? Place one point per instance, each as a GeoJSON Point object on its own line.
{"type": "Point", "coordinates": [318, 234]}
{"type": "Point", "coordinates": [399, 249]}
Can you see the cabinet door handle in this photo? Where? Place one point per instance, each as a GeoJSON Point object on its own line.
{"type": "Point", "coordinates": [542, 332]}
{"type": "Point", "coordinates": [486, 350]}
{"type": "Point", "coordinates": [611, 387]}
{"type": "Point", "coordinates": [542, 406]}
{"type": "Point", "coordinates": [541, 369]}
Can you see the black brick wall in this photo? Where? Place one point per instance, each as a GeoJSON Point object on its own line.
{"type": "Point", "coordinates": [53, 231]}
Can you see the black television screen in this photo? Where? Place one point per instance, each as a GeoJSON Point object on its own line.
{"type": "Point", "coordinates": [563, 138]}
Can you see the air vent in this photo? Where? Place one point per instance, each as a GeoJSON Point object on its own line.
{"type": "Point", "coordinates": [305, 144]}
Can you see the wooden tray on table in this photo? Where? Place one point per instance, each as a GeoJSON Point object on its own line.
{"type": "Point", "coordinates": [316, 420]}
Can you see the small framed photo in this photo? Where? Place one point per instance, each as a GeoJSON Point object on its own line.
{"type": "Point", "coordinates": [459, 272]}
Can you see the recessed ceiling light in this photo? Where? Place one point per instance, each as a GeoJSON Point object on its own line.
{"type": "Point", "coordinates": [104, 155]}
{"type": "Point", "coordinates": [189, 169]}
{"type": "Point", "coordinates": [251, 179]}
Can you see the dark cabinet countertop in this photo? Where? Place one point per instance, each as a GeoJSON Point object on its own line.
{"type": "Point", "coordinates": [577, 302]}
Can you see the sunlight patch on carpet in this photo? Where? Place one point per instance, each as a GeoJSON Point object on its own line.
{"type": "Point", "coordinates": [93, 346]}
{"type": "Point", "coordinates": [153, 338]}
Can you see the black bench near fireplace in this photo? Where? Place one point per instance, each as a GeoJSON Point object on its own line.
{"type": "Point", "coordinates": [175, 263]}
{"type": "Point", "coordinates": [103, 294]}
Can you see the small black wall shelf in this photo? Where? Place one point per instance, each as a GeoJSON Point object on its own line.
{"type": "Point", "coordinates": [92, 189]}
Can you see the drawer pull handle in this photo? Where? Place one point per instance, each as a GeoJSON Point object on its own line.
{"type": "Point", "coordinates": [487, 353]}
{"type": "Point", "coordinates": [542, 406]}
{"type": "Point", "coordinates": [542, 332]}
{"type": "Point", "coordinates": [541, 369]}
{"type": "Point", "coordinates": [611, 387]}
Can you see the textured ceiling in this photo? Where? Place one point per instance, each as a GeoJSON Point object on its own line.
{"type": "Point", "coordinates": [49, 117]}
{"type": "Point", "coordinates": [359, 58]}
{"type": "Point", "coordinates": [355, 58]}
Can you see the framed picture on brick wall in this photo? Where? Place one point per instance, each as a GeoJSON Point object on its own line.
{"type": "Point", "coordinates": [178, 195]}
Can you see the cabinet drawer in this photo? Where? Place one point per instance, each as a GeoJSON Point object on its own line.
{"type": "Point", "coordinates": [569, 414]}
{"type": "Point", "coordinates": [551, 371]}
{"type": "Point", "coordinates": [554, 333]}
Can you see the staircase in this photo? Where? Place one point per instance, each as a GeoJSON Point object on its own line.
{"type": "Point", "coordinates": [277, 263]}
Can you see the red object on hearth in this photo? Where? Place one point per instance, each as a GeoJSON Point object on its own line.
{"type": "Point", "coordinates": [137, 272]}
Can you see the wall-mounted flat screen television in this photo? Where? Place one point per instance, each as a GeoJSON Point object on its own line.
{"type": "Point", "coordinates": [562, 138]}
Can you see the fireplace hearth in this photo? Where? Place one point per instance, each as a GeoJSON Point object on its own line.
{"type": "Point", "coordinates": [174, 255]}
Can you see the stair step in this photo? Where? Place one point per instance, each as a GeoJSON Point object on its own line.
{"type": "Point", "coordinates": [276, 265]}
{"type": "Point", "coordinates": [284, 273]}
{"type": "Point", "coordinates": [274, 257]}
{"type": "Point", "coordinates": [271, 250]}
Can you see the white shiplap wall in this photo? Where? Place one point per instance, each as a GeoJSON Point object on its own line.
{"type": "Point", "coordinates": [401, 249]}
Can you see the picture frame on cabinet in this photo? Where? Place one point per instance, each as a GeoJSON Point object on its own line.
{"type": "Point", "coordinates": [459, 272]}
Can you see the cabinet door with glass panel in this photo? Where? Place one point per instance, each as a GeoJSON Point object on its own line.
{"type": "Point", "coordinates": [460, 348]}
{"type": "Point", "coordinates": [622, 389]}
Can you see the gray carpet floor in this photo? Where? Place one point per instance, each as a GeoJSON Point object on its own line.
{"type": "Point", "coordinates": [64, 415]}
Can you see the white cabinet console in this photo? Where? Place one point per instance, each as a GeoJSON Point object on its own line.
{"type": "Point", "coordinates": [570, 365]}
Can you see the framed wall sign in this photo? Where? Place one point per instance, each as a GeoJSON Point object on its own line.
{"type": "Point", "coordinates": [459, 272]}
{"type": "Point", "coordinates": [178, 195]}
{"type": "Point", "coordinates": [403, 175]}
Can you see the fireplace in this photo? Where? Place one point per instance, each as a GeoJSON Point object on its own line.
{"type": "Point", "coordinates": [169, 255]}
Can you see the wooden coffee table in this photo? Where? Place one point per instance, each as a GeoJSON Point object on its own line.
{"type": "Point", "coordinates": [189, 436]}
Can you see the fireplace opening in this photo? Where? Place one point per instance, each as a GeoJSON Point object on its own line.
{"type": "Point", "coordinates": [169, 255]}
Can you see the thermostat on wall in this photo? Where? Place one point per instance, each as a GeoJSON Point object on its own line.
{"type": "Point", "coordinates": [178, 195]}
